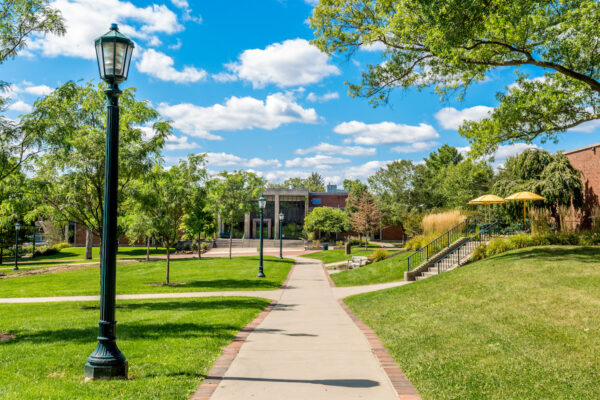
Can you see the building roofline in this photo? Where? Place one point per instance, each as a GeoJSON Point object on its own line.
{"type": "Point", "coordinates": [328, 193]}
{"type": "Point", "coordinates": [582, 148]}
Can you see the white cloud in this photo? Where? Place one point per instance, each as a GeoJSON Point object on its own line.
{"type": "Point", "coordinates": [322, 98]}
{"type": "Point", "coordinates": [180, 3]}
{"type": "Point", "coordinates": [586, 127]}
{"type": "Point", "coordinates": [414, 147]}
{"type": "Point", "coordinates": [540, 79]}
{"type": "Point", "coordinates": [180, 143]}
{"type": "Point", "coordinates": [86, 20]}
{"type": "Point", "coordinates": [238, 113]}
{"type": "Point", "coordinates": [326, 148]}
{"type": "Point", "coordinates": [451, 118]}
{"type": "Point", "coordinates": [160, 65]}
{"type": "Point", "coordinates": [20, 106]}
{"type": "Point", "coordinates": [226, 160]}
{"type": "Point", "coordinates": [318, 161]}
{"type": "Point", "coordinates": [224, 77]}
{"type": "Point", "coordinates": [39, 90]}
{"type": "Point", "coordinates": [375, 46]}
{"type": "Point", "coordinates": [510, 150]}
{"type": "Point", "coordinates": [386, 132]}
{"type": "Point", "coordinates": [290, 63]}
{"type": "Point", "coordinates": [365, 170]}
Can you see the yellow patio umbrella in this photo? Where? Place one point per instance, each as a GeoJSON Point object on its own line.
{"type": "Point", "coordinates": [524, 197]}
{"type": "Point", "coordinates": [488, 200]}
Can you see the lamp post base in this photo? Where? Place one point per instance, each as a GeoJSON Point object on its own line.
{"type": "Point", "coordinates": [261, 275]}
{"type": "Point", "coordinates": [105, 372]}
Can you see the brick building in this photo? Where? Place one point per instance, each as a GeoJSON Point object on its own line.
{"type": "Point", "coordinates": [587, 160]}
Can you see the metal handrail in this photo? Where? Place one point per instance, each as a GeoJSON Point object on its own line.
{"type": "Point", "coordinates": [441, 242]}
{"type": "Point", "coordinates": [454, 257]}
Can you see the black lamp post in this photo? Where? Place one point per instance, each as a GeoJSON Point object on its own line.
{"type": "Point", "coordinates": [113, 51]}
{"type": "Point", "coordinates": [262, 203]}
{"type": "Point", "coordinates": [281, 217]}
{"type": "Point", "coordinates": [17, 229]}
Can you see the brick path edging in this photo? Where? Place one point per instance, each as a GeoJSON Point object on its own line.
{"type": "Point", "coordinates": [403, 387]}
{"type": "Point", "coordinates": [220, 367]}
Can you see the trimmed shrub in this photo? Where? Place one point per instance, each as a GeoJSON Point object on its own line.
{"type": "Point", "coordinates": [379, 255]}
{"type": "Point", "coordinates": [204, 246]}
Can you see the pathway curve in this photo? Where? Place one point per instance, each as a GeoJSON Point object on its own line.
{"type": "Point", "coordinates": [306, 348]}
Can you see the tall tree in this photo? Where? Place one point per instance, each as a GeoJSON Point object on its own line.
{"type": "Point", "coordinates": [313, 183]}
{"type": "Point", "coordinates": [165, 195]}
{"type": "Point", "coordinates": [233, 195]}
{"type": "Point", "coordinates": [199, 220]}
{"type": "Point", "coordinates": [450, 44]}
{"type": "Point", "coordinates": [367, 217]}
{"type": "Point", "coordinates": [538, 171]}
{"type": "Point", "coordinates": [70, 174]}
{"type": "Point", "coordinates": [392, 186]}
{"type": "Point", "coordinates": [19, 20]}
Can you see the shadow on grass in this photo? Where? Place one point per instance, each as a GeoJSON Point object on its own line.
{"type": "Point", "coordinates": [136, 330]}
{"type": "Point", "coordinates": [558, 253]}
{"type": "Point", "coordinates": [229, 284]}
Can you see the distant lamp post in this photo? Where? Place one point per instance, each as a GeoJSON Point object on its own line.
{"type": "Point", "coordinates": [262, 203]}
{"type": "Point", "coordinates": [17, 229]}
{"type": "Point", "coordinates": [281, 217]}
{"type": "Point", "coordinates": [113, 51]}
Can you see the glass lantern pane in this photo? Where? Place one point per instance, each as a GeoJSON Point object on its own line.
{"type": "Point", "coordinates": [127, 61]}
{"type": "Point", "coordinates": [120, 53]}
{"type": "Point", "coordinates": [100, 59]}
{"type": "Point", "coordinates": [109, 58]}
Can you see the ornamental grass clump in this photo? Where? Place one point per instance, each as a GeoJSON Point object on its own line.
{"type": "Point", "coordinates": [379, 255]}
{"type": "Point", "coordinates": [442, 222]}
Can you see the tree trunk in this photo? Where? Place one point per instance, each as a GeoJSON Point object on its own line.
{"type": "Point", "coordinates": [67, 233]}
{"type": "Point", "coordinates": [1, 255]}
{"type": "Point", "coordinates": [168, 263]}
{"type": "Point", "coordinates": [147, 248]}
{"type": "Point", "coordinates": [88, 244]}
{"type": "Point", "coordinates": [366, 242]}
{"type": "Point", "coordinates": [230, 238]}
{"type": "Point", "coordinates": [199, 248]}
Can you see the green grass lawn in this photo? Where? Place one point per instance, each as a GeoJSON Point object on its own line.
{"type": "Point", "coordinates": [71, 254]}
{"type": "Point", "coordinates": [170, 346]}
{"type": "Point", "coordinates": [388, 270]}
{"type": "Point", "coordinates": [520, 325]}
{"type": "Point", "coordinates": [208, 274]}
{"type": "Point", "coordinates": [335, 255]}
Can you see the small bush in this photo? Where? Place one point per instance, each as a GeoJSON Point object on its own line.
{"type": "Point", "coordinates": [497, 246]}
{"type": "Point", "coordinates": [479, 252]}
{"type": "Point", "coordinates": [60, 246]}
{"type": "Point", "coordinates": [379, 255]}
{"type": "Point", "coordinates": [204, 246]}
{"type": "Point", "coordinates": [417, 242]}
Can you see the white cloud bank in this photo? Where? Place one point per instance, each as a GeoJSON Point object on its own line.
{"type": "Point", "coordinates": [326, 148]}
{"type": "Point", "coordinates": [227, 160]}
{"type": "Point", "coordinates": [86, 20]}
{"type": "Point", "coordinates": [319, 161]}
{"type": "Point", "coordinates": [160, 65]}
{"type": "Point", "coordinates": [386, 132]}
{"type": "Point", "coordinates": [451, 118]}
{"type": "Point", "coordinates": [322, 98]}
{"type": "Point", "coordinates": [290, 63]}
{"type": "Point", "coordinates": [238, 113]}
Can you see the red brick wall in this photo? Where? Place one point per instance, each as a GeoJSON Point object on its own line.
{"type": "Point", "coordinates": [392, 233]}
{"type": "Point", "coordinates": [328, 200]}
{"type": "Point", "coordinates": [80, 238]}
{"type": "Point", "coordinates": [588, 162]}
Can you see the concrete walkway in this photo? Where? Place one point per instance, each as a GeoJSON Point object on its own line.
{"type": "Point", "coordinates": [307, 348]}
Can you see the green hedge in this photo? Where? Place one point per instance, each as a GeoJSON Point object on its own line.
{"type": "Point", "coordinates": [501, 245]}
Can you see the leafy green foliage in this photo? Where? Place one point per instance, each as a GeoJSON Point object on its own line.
{"type": "Point", "coordinates": [70, 174]}
{"type": "Point", "coordinates": [451, 44]}
{"type": "Point", "coordinates": [326, 219]}
{"type": "Point", "coordinates": [379, 255]}
{"type": "Point", "coordinates": [314, 183]}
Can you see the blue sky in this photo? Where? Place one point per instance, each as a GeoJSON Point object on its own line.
{"type": "Point", "coordinates": [240, 82]}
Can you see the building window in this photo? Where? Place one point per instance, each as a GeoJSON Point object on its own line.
{"type": "Point", "coordinates": [316, 202]}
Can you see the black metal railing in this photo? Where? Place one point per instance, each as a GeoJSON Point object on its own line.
{"type": "Point", "coordinates": [454, 258]}
{"type": "Point", "coordinates": [443, 241]}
